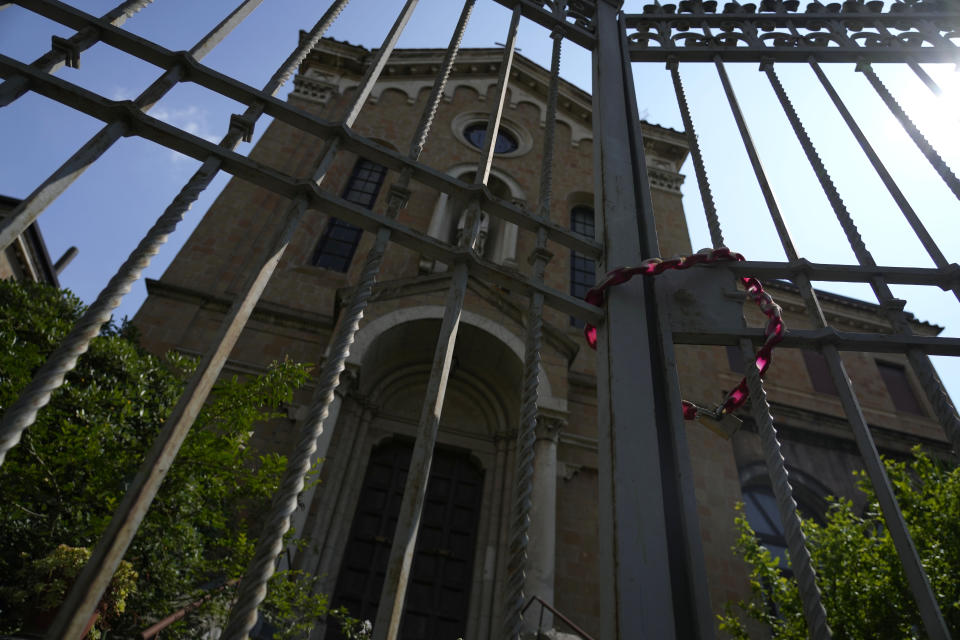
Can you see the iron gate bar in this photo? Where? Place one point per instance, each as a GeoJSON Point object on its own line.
{"type": "Point", "coordinates": [938, 163]}
{"type": "Point", "coordinates": [68, 51]}
{"type": "Point", "coordinates": [666, 27]}
{"type": "Point", "coordinates": [813, 611]}
{"type": "Point", "coordinates": [30, 208]}
{"type": "Point", "coordinates": [925, 77]}
{"type": "Point", "coordinates": [50, 376]}
{"type": "Point", "coordinates": [251, 171]}
{"type": "Point", "coordinates": [270, 544]}
{"type": "Point", "coordinates": [912, 218]}
{"type": "Point", "coordinates": [917, 579]}
{"type": "Point", "coordinates": [693, 615]}
{"type": "Point", "coordinates": [649, 591]}
{"type": "Point", "coordinates": [526, 431]}
{"type": "Point", "coordinates": [109, 110]}
{"type": "Point", "coordinates": [392, 596]}
{"type": "Point", "coordinates": [946, 277]}
{"type": "Point", "coordinates": [920, 586]}
{"type": "Point", "coordinates": [252, 588]}
{"type": "Point", "coordinates": [706, 195]}
{"type": "Point", "coordinates": [816, 338]}
{"type": "Point", "coordinates": [96, 574]}
{"type": "Point", "coordinates": [810, 595]}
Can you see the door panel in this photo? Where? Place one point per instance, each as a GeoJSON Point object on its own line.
{"type": "Point", "coordinates": [438, 594]}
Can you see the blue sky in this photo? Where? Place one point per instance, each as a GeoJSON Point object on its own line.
{"type": "Point", "coordinates": [110, 207]}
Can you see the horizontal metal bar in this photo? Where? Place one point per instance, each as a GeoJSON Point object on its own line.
{"type": "Point", "coordinates": [946, 278]}
{"type": "Point", "coordinates": [816, 338]}
{"type": "Point", "coordinates": [535, 12]}
{"type": "Point", "coordinates": [853, 21]}
{"type": "Point", "coordinates": [792, 54]}
{"type": "Point", "coordinates": [242, 167]}
{"type": "Point", "coordinates": [110, 111]}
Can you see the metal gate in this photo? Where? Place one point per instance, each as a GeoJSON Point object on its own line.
{"type": "Point", "coordinates": [656, 592]}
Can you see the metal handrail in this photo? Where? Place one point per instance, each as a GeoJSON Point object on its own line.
{"type": "Point", "coordinates": [566, 620]}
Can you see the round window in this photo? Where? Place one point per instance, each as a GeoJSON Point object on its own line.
{"type": "Point", "coordinates": [476, 135]}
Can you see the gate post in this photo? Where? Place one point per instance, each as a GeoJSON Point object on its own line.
{"type": "Point", "coordinates": [651, 570]}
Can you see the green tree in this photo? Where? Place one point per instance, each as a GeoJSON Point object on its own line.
{"type": "Point", "coordinates": [864, 589]}
{"type": "Point", "coordinates": [62, 483]}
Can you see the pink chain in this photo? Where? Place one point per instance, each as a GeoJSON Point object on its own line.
{"type": "Point", "coordinates": [655, 266]}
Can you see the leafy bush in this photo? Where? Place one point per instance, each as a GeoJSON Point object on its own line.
{"type": "Point", "coordinates": [62, 483]}
{"type": "Point", "coordinates": [864, 589]}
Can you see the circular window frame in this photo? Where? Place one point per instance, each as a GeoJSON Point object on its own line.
{"type": "Point", "coordinates": [460, 123]}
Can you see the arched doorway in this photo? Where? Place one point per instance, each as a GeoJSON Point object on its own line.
{"type": "Point", "coordinates": [456, 582]}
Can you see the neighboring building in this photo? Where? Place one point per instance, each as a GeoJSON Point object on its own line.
{"type": "Point", "coordinates": [27, 259]}
{"type": "Point", "coordinates": [458, 577]}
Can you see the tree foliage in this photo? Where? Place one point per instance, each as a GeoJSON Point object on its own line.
{"type": "Point", "coordinates": [864, 589]}
{"type": "Point", "coordinates": [64, 480]}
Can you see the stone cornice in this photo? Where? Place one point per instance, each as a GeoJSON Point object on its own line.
{"type": "Point", "coordinates": [338, 66]}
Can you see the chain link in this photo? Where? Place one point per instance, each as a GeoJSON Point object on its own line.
{"type": "Point", "coordinates": [773, 332]}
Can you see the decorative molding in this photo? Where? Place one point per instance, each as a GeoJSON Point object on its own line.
{"type": "Point", "coordinates": [316, 86]}
{"type": "Point", "coordinates": [665, 180]}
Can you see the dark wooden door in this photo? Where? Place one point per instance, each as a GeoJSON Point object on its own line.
{"type": "Point", "coordinates": [439, 590]}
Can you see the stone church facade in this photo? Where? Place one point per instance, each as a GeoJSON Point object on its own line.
{"type": "Point", "coordinates": [459, 572]}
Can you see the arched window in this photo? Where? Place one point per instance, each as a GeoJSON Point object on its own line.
{"type": "Point", "coordinates": [340, 239]}
{"type": "Point", "coordinates": [583, 270]}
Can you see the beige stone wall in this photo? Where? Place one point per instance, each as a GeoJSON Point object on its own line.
{"type": "Point", "coordinates": [298, 309]}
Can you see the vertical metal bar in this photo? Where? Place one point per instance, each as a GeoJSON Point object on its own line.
{"type": "Point", "coordinates": [336, 357]}
{"type": "Point", "coordinates": [85, 594]}
{"type": "Point", "coordinates": [925, 77]}
{"type": "Point", "coordinates": [693, 616]}
{"type": "Point", "coordinates": [393, 593]}
{"type": "Point", "coordinates": [920, 587]}
{"type": "Point", "coordinates": [253, 586]}
{"type": "Point", "coordinates": [813, 610]}
{"type": "Point", "coordinates": [27, 211]}
{"type": "Point", "coordinates": [50, 376]}
{"type": "Point", "coordinates": [796, 544]}
{"type": "Point", "coordinates": [526, 432]}
{"type": "Point", "coordinates": [285, 501]}
{"type": "Point", "coordinates": [706, 195]}
{"type": "Point", "coordinates": [639, 597]}
{"type": "Point", "coordinates": [912, 218]}
{"type": "Point", "coordinates": [938, 163]}
{"type": "Point", "coordinates": [919, 584]}
{"type": "Point", "coordinates": [17, 85]}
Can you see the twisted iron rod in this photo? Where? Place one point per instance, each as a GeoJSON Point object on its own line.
{"type": "Point", "coordinates": [919, 584]}
{"type": "Point", "coordinates": [526, 433]}
{"type": "Point", "coordinates": [27, 211]}
{"type": "Point", "coordinates": [911, 216]}
{"type": "Point", "coordinates": [938, 163]}
{"type": "Point", "coordinates": [51, 375]}
{"type": "Point", "coordinates": [703, 182]}
{"type": "Point", "coordinates": [85, 594]}
{"type": "Point", "coordinates": [253, 587]}
{"type": "Point", "coordinates": [813, 611]}
{"type": "Point", "coordinates": [400, 561]}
